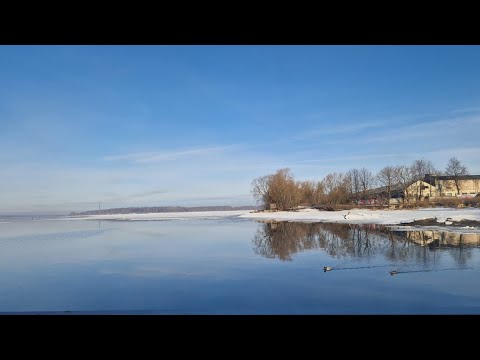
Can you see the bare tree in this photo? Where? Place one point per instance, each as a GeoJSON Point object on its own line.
{"type": "Point", "coordinates": [367, 180]}
{"type": "Point", "coordinates": [311, 192]}
{"type": "Point", "coordinates": [404, 177]}
{"type": "Point", "coordinates": [456, 169]}
{"type": "Point", "coordinates": [306, 189]}
{"type": "Point", "coordinates": [284, 189]}
{"type": "Point", "coordinates": [330, 184]}
{"type": "Point", "coordinates": [419, 169]}
{"type": "Point", "coordinates": [422, 167]}
{"type": "Point", "coordinates": [336, 188]}
{"type": "Point", "coordinates": [387, 177]}
{"type": "Point", "coordinates": [319, 193]}
{"type": "Point", "coordinates": [260, 189]}
{"type": "Point", "coordinates": [353, 176]}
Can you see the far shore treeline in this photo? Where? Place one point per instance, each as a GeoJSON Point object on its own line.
{"type": "Point", "coordinates": [282, 190]}
{"type": "Point", "coordinates": [160, 209]}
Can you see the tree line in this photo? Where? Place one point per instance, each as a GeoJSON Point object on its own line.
{"type": "Point", "coordinates": [160, 209]}
{"type": "Point", "coordinates": [340, 188]}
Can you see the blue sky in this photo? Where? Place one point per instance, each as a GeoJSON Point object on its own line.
{"type": "Point", "coordinates": [193, 125]}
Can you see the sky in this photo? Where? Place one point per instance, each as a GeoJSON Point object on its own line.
{"type": "Point", "coordinates": [194, 125]}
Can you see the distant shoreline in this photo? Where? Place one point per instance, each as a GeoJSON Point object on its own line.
{"type": "Point", "coordinates": [163, 216]}
{"type": "Point", "coordinates": [161, 209]}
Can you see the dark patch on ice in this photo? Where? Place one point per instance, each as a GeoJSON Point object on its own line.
{"type": "Point", "coordinates": [447, 223]}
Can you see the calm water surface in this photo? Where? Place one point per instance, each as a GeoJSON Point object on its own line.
{"type": "Point", "coordinates": [234, 266]}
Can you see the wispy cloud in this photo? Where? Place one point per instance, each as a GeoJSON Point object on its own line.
{"type": "Point", "coordinates": [468, 155]}
{"type": "Point", "coordinates": [149, 193]}
{"type": "Point", "coordinates": [67, 204]}
{"type": "Point", "coordinates": [447, 151]}
{"type": "Point", "coordinates": [337, 130]}
{"type": "Point", "coordinates": [135, 197]}
{"type": "Point", "coordinates": [152, 157]}
{"type": "Point", "coordinates": [471, 109]}
{"type": "Point", "coordinates": [329, 159]}
{"type": "Point", "coordinates": [108, 197]}
{"type": "Point", "coordinates": [457, 150]}
{"type": "Point", "coordinates": [226, 198]}
{"type": "Point", "coordinates": [359, 125]}
{"type": "Point", "coordinates": [438, 129]}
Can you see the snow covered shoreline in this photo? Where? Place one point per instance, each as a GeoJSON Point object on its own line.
{"type": "Point", "coordinates": [354, 216]}
{"type": "Point", "coordinates": [367, 216]}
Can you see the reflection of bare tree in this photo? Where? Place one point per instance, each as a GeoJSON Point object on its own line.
{"type": "Point", "coordinates": [281, 240]}
{"type": "Point", "coordinates": [284, 239]}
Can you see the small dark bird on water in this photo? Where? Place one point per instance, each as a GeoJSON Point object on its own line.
{"type": "Point", "coordinates": [327, 268]}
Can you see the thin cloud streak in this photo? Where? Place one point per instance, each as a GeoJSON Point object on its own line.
{"type": "Point", "coordinates": [67, 204]}
{"type": "Point", "coordinates": [338, 130]}
{"type": "Point", "coordinates": [347, 158]}
{"type": "Point", "coordinates": [208, 198]}
{"type": "Point", "coordinates": [152, 157]}
{"type": "Point", "coordinates": [472, 109]}
{"type": "Point", "coordinates": [148, 193]}
{"type": "Point", "coordinates": [434, 129]}
{"type": "Point", "coordinates": [134, 196]}
{"type": "Point", "coordinates": [360, 125]}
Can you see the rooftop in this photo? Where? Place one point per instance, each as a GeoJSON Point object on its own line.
{"type": "Point", "coordinates": [451, 177]}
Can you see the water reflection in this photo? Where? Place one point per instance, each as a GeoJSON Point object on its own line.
{"type": "Point", "coordinates": [282, 240]}
{"type": "Point", "coordinates": [435, 238]}
{"type": "Point", "coordinates": [461, 244]}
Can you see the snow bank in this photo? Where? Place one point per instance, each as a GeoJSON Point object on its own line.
{"type": "Point", "coordinates": [366, 216]}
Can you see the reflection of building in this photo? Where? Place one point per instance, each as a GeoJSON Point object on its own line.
{"type": "Point", "coordinates": [442, 238]}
